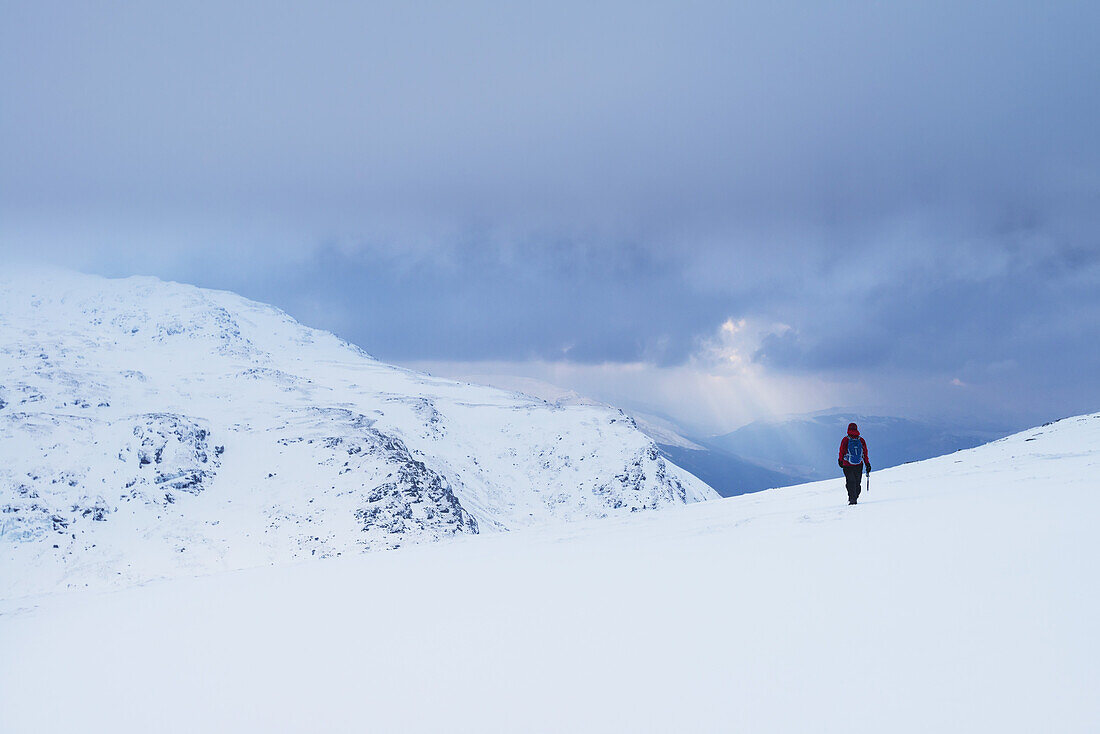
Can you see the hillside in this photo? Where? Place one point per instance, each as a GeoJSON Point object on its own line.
{"type": "Point", "coordinates": [152, 429]}
{"type": "Point", "coordinates": [957, 597]}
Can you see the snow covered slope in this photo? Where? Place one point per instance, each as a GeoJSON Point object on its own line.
{"type": "Point", "coordinates": [150, 429]}
{"type": "Point", "coordinates": [959, 596]}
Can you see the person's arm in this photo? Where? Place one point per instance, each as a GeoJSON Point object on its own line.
{"type": "Point", "coordinates": [866, 456]}
{"type": "Point", "coordinates": [843, 450]}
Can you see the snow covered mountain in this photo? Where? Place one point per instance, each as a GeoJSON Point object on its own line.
{"type": "Point", "coordinates": [958, 596]}
{"type": "Point", "coordinates": [149, 429]}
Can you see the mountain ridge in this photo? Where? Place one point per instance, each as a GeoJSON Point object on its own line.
{"type": "Point", "coordinates": [149, 429]}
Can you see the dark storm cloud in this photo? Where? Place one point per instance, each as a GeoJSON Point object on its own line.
{"type": "Point", "coordinates": [952, 325]}
{"type": "Point", "coordinates": [656, 118]}
{"type": "Point", "coordinates": [595, 181]}
{"type": "Point", "coordinates": [544, 300]}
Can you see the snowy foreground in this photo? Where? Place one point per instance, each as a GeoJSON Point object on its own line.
{"type": "Point", "coordinates": [961, 595]}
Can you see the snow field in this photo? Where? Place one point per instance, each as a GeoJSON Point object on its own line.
{"type": "Point", "coordinates": [959, 596]}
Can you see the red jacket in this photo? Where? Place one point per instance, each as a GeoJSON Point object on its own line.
{"type": "Point", "coordinates": [844, 448]}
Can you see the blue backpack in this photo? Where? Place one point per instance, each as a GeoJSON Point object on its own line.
{"type": "Point", "coordinates": [855, 451]}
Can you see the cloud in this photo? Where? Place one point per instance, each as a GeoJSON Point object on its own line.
{"type": "Point", "coordinates": [908, 189]}
{"type": "Point", "coordinates": [354, 120]}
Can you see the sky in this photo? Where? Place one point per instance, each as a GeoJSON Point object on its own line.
{"type": "Point", "coordinates": [712, 212]}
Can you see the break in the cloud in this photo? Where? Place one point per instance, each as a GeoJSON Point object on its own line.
{"type": "Point", "coordinates": [899, 201]}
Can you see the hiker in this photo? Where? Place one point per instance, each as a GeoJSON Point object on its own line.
{"type": "Point", "coordinates": [853, 457]}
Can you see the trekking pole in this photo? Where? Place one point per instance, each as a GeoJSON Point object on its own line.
{"type": "Point", "coordinates": [868, 481]}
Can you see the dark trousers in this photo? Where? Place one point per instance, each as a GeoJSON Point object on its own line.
{"type": "Point", "coordinates": [853, 480]}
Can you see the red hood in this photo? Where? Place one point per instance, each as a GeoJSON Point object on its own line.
{"type": "Point", "coordinates": [853, 430]}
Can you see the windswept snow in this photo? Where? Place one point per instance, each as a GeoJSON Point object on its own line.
{"type": "Point", "coordinates": [959, 596]}
{"type": "Point", "coordinates": [152, 429]}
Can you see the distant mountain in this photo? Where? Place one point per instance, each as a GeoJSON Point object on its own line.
{"type": "Point", "coordinates": [807, 445]}
{"type": "Point", "coordinates": [728, 473]}
{"type": "Point", "coordinates": [151, 429]}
